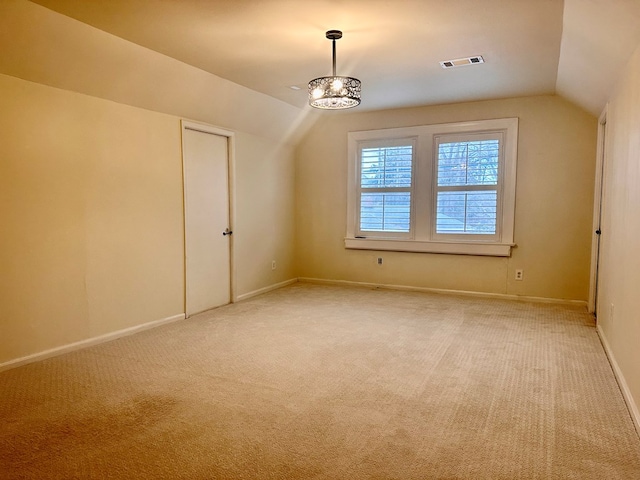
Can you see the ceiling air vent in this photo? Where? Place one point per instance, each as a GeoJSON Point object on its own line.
{"type": "Point", "coordinates": [459, 62]}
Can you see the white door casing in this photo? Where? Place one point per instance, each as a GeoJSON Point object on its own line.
{"type": "Point", "coordinates": [598, 201]}
{"type": "Point", "coordinates": [206, 156]}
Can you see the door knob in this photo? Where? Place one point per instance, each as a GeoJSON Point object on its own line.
{"type": "Point", "coordinates": [227, 232]}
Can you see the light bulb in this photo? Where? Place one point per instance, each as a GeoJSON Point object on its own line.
{"type": "Point", "coordinates": [337, 84]}
{"type": "Point", "coordinates": [318, 92]}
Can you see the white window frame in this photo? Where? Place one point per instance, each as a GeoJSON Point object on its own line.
{"type": "Point", "coordinates": [465, 137]}
{"type": "Point", "coordinates": [422, 236]}
{"type": "Point", "coordinates": [387, 142]}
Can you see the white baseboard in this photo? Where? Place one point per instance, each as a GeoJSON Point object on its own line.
{"type": "Point", "coordinates": [260, 291]}
{"type": "Point", "coordinates": [87, 343]}
{"type": "Point", "coordinates": [503, 296]}
{"type": "Point", "coordinates": [632, 405]}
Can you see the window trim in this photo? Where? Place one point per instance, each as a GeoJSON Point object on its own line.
{"type": "Point", "coordinates": [498, 187]}
{"type": "Point", "coordinates": [421, 238]}
{"type": "Point", "coordinates": [386, 142]}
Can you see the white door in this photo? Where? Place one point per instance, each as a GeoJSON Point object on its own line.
{"type": "Point", "coordinates": [207, 233]}
{"type": "Point", "coordinates": [599, 199]}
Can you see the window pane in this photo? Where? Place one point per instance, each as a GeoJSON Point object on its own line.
{"type": "Point", "coordinates": [468, 163]}
{"type": "Point", "coordinates": [467, 212]}
{"type": "Point", "coordinates": [386, 167]}
{"type": "Point", "coordinates": [385, 212]}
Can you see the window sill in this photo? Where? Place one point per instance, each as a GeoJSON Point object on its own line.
{"type": "Point", "coordinates": [457, 248]}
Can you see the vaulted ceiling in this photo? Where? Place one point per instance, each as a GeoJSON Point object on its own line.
{"type": "Point", "coordinates": [575, 48]}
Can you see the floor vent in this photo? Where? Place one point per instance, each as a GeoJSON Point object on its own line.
{"type": "Point", "coordinates": [460, 62]}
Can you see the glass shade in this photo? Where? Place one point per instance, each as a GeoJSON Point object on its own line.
{"type": "Point", "coordinates": [334, 93]}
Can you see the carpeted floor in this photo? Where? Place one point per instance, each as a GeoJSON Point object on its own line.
{"type": "Point", "coordinates": [324, 382]}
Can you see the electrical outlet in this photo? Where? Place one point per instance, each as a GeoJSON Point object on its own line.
{"type": "Point", "coordinates": [273, 264]}
{"type": "Point", "coordinates": [519, 274]}
{"type": "Point", "coordinates": [379, 260]}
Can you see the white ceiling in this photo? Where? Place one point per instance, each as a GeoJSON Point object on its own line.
{"type": "Point", "coordinates": [575, 48]}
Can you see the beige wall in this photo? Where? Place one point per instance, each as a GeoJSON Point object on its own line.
{"type": "Point", "coordinates": [265, 213]}
{"type": "Point", "coordinates": [90, 201]}
{"type": "Point", "coordinates": [553, 205]}
{"type": "Point", "coordinates": [619, 280]}
{"type": "Point", "coordinates": [91, 206]}
{"type": "Point", "coordinates": [91, 181]}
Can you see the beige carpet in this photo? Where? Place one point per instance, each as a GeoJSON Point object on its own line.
{"type": "Point", "coordinates": [323, 382]}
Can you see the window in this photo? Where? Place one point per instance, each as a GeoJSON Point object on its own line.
{"type": "Point", "coordinates": [386, 184]}
{"type": "Point", "coordinates": [437, 188]}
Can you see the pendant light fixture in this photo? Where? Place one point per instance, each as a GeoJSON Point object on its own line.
{"type": "Point", "coordinates": [334, 92]}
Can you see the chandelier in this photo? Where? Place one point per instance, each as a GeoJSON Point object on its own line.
{"type": "Point", "coordinates": [334, 92]}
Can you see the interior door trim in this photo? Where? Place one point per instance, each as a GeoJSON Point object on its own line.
{"type": "Point", "coordinates": [231, 169]}
{"type": "Point", "coordinates": [598, 199]}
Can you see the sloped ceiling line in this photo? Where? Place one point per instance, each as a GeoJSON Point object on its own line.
{"type": "Point", "coordinates": [575, 48]}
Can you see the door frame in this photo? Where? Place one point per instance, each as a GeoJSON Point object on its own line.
{"type": "Point", "coordinates": [598, 200]}
{"type": "Point", "coordinates": [230, 136]}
